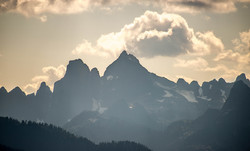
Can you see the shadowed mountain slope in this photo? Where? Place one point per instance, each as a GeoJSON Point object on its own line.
{"type": "Point", "coordinates": [217, 130]}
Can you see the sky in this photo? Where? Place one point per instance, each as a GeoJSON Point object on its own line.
{"type": "Point", "coordinates": [192, 39]}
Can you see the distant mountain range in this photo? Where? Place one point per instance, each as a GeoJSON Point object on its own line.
{"type": "Point", "coordinates": [126, 103]}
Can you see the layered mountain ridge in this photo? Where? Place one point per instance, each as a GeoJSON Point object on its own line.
{"type": "Point", "coordinates": [127, 103]}
{"type": "Point", "coordinates": [125, 79]}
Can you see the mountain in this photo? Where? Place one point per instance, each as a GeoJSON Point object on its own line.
{"type": "Point", "coordinates": [16, 92]}
{"type": "Point", "coordinates": [182, 84]}
{"type": "Point", "coordinates": [243, 78]}
{"type": "Point", "coordinates": [43, 91]}
{"type": "Point", "coordinates": [82, 89]}
{"type": "Point", "coordinates": [75, 91]}
{"type": "Point", "coordinates": [3, 91]}
{"type": "Point", "coordinates": [127, 97]}
{"type": "Point", "coordinates": [3, 94]}
{"type": "Point", "coordinates": [225, 129]}
{"type": "Point", "coordinates": [126, 79]}
{"type": "Point", "coordinates": [30, 136]}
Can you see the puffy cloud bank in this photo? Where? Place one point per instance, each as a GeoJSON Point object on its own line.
{"type": "Point", "coordinates": [154, 34]}
{"type": "Point", "coordinates": [228, 62]}
{"type": "Point", "coordinates": [165, 34]}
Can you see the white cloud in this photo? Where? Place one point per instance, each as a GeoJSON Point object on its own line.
{"type": "Point", "coordinates": [154, 34]}
{"type": "Point", "coordinates": [230, 55]}
{"type": "Point", "coordinates": [54, 73]}
{"type": "Point", "coordinates": [227, 63]}
{"type": "Point", "coordinates": [39, 8]}
{"type": "Point", "coordinates": [240, 55]}
{"type": "Point", "coordinates": [86, 47]}
{"type": "Point", "coordinates": [242, 45]}
{"type": "Point", "coordinates": [30, 88]}
{"type": "Point", "coordinates": [50, 76]}
{"type": "Point", "coordinates": [212, 42]}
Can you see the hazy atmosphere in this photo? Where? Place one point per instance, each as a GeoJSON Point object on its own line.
{"type": "Point", "coordinates": [131, 75]}
{"type": "Point", "coordinates": [195, 40]}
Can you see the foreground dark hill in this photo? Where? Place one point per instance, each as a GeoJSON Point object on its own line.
{"type": "Point", "coordinates": [30, 136]}
{"type": "Point", "coordinates": [227, 129]}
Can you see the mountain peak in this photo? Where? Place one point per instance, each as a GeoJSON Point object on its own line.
{"type": "Point", "coordinates": [43, 84]}
{"type": "Point", "coordinates": [125, 63]}
{"type": "Point", "coordinates": [239, 98]}
{"type": "Point", "coordinates": [222, 81]}
{"type": "Point", "coordinates": [182, 84]}
{"type": "Point", "coordinates": [44, 90]}
{"type": "Point", "coordinates": [17, 92]}
{"type": "Point", "coordinates": [128, 57]}
{"type": "Point", "coordinates": [3, 91]}
{"type": "Point", "coordinates": [94, 70]}
{"type": "Point", "coordinates": [194, 83]}
{"type": "Point", "coordinates": [124, 53]}
{"type": "Point", "coordinates": [95, 73]}
{"type": "Point", "coordinates": [241, 77]}
{"type": "Point", "coordinates": [76, 68]}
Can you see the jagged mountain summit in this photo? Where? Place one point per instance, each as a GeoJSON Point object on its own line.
{"type": "Point", "coordinates": [243, 78]}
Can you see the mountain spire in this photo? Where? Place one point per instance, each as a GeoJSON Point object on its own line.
{"type": "Point", "coordinates": [76, 68]}
{"type": "Point", "coordinates": [44, 90]}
